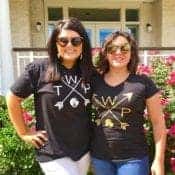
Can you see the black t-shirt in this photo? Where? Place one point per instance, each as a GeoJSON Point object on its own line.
{"type": "Point", "coordinates": [61, 109]}
{"type": "Point", "coordinates": [118, 126]}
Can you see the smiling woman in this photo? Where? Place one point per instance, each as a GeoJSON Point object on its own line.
{"type": "Point", "coordinates": [69, 45]}
{"type": "Point", "coordinates": [61, 89]}
{"type": "Point", "coordinates": [120, 97]}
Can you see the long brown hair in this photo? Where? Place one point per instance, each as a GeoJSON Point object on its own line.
{"type": "Point", "coordinates": [85, 63]}
{"type": "Point", "coordinates": [103, 65]}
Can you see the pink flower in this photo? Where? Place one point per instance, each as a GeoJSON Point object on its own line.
{"type": "Point", "coordinates": [153, 52]}
{"type": "Point", "coordinates": [95, 51]}
{"type": "Point", "coordinates": [143, 69]}
{"type": "Point", "coordinates": [27, 117]}
{"type": "Point", "coordinates": [33, 128]}
{"type": "Point", "coordinates": [171, 131]}
{"type": "Point", "coordinates": [171, 78]}
{"type": "Point", "coordinates": [170, 60]}
{"type": "Point", "coordinates": [29, 120]}
{"type": "Point", "coordinates": [164, 101]}
{"type": "Point", "coordinates": [172, 163]}
{"type": "Point", "coordinates": [145, 114]}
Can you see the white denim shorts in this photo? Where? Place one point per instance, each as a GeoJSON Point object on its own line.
{"type": "Point", "coordinates": [66, 166]}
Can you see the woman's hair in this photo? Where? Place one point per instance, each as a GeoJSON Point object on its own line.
{"type": "Point", "coordinates": [103, 64]}
{"type": "Point", "coordinates": [85, 63]}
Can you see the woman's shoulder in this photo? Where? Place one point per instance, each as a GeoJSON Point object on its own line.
{"type": "Point", "coordinates": [38, 64]}
{"type": "Point", "coordinates": [145, 80]}
{"type": "Point", "coordinates": [141, 77]}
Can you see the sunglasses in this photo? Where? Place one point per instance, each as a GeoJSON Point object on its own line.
{"type": "Point", "coordinates": [75, 41]}
{"type": "Point", "coordinates": [124, 49]}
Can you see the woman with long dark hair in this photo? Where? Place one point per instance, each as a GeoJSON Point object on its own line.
{"type": "Point", "coordinates": [61, 89]}
{"type": "Point", "coordinates": [120, 97]}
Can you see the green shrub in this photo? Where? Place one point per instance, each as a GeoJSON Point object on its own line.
{"type": "Point", "coordinates": [163, 75]}
{"type": "Point", "coordinates": [16, 157]}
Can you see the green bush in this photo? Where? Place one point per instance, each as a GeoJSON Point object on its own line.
{"type": "Point", "coordinates": [163, 75]}
{"type": "Point", "coordinates": [16, 157]}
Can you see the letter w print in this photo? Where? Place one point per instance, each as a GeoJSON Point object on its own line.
{"type": "Point", "coordinates": [72, 83]}
{"type": "Point", "coordinates": [112, 111]}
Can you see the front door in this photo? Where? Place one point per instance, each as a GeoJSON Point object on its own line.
{"type": "Point", "coordinates": [97, 31]}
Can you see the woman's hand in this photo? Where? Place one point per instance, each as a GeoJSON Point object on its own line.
{"type": "Point", "coordinates": [157, 168]}
{"type": "Point", "coordinates": [36, 138]}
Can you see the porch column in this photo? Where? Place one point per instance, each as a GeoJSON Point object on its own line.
{"type": "Point", "coordinates": [6, 63]}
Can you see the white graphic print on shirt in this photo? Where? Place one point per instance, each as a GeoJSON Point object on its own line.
{"type": "Point", "coordinates": [110, 106]}
{"type": "Point", "coordinates": [72, 82]}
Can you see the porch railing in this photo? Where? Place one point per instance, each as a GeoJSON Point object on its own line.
{"type": "Point", "coordinates": [22, 56]}
{"type": "Point", "coordinates": [150, 53]}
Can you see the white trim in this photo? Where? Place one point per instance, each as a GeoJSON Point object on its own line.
{"type": "Point", "coordinates": [29, 56]}
{"type": "Point", "coordinates": [5, 48]}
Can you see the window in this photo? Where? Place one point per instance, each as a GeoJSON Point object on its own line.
{"type": "Point", "coordinates": [132, 14]}
{"type": "Point", "coordinates": [103, 33]}
{"type": "Point", "coordinates": [133, 29]}
{"type": "Point", "coordinates": [50, 29]}
{"type": "Point", "coordinates": [95, 14]}
{"type": "Point", "coordinates": [55, 14]}
{"type": "Point", "coordinates": [132, 22]}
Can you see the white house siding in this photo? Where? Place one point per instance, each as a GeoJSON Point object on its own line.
{"type": "Point", "coordinates": [37, 13]}
{"type": "Point", "coordinates": [168, 23]}
{"type": "Point", "coordinates": [25, 13]}
{"type": "Point", "coordinates": [147, 39]}
{"type": "Point", "coordinates": [6, 65]}
{"type": "Point", "coordinates": [20, 23]}
{"type": "Point", "coordinates": [157, 24]}
{"type": "Point", "coordinates": [145, 13]}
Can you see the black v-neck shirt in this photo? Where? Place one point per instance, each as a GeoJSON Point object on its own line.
{"type": "Point", "coordinates": [61, 109]}
{"type": "Point", "coordinates": [118, 126]}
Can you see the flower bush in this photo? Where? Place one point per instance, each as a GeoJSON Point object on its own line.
{"type": "Point", "coordinates": [163, 74]}
{"type": "Point", "coordinates": [16, 157]}
{"type": "Point", "coordinates": [29, 113]}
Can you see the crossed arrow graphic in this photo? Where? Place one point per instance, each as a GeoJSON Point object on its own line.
{"type": "Point", "coordinates": [60, 104]}
{"type": "Point", "coordinates": [123, 125]}
{"type": "Point", "coordinates": [127, 96]}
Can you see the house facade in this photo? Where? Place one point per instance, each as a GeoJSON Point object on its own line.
{"type": "Point", "coordinates": [25, 26]}
{"type": "Point", "coordinates": [152, 22]}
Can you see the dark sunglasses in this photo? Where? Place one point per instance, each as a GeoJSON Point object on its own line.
{"type": "Point", "coordinates": [75, 41]}
{"type": "Point", "coordinates": [111, 49]}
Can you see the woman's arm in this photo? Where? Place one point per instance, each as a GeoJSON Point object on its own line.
{"type": "Point", "coordinates": [15, 113]}
{"type": "Point", "coordinates": [38, 138]}
{"type": "Point", "coordinates": [159, 131]}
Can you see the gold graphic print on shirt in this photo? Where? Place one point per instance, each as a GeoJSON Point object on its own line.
{"type": "Point", "coordinates": [110, 116]}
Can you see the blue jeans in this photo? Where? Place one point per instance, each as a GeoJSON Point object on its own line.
{"type": "Point", "coordinates": [128, 167]}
